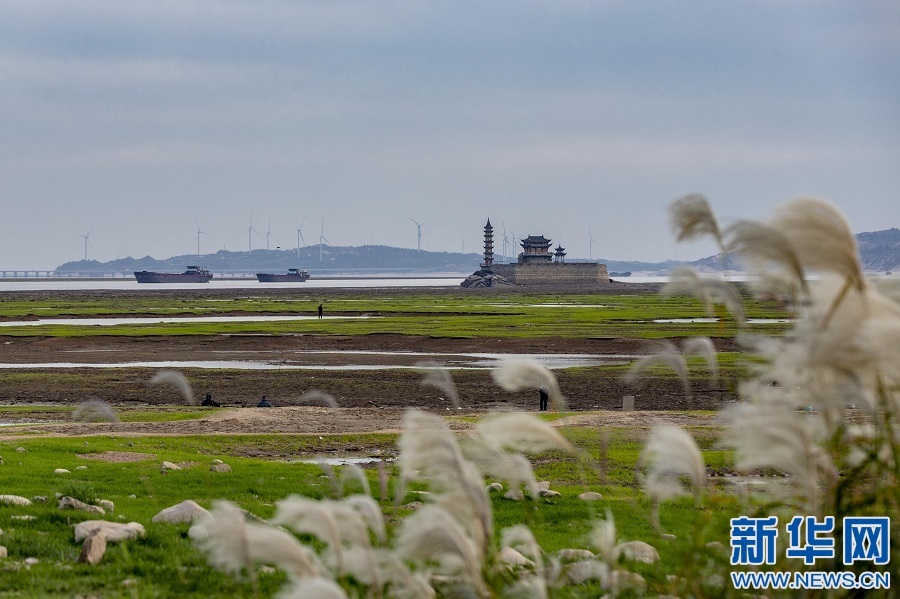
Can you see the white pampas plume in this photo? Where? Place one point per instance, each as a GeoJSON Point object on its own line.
{"type": "Point", "coordinates": [352, 472]}
{"type": "Point", "coordinates": [370, 511]}
{"type": "Point", "coordinates": [761, 245]}
{"type": "Point", "coordinates": [692, 217]}
{"type": "Point", "coordinates": [513, 468]}
{"type": "Point", "coordinates": [771, 435]}
{"type": "Point", "coordinates": [515, 375]}
{"type": "Point", "coordinates": [520, 538]}
{"type": "Point", "coordinates": [329, 521]}
{"type": "Point", "coordinates": [686, 281]}
{"type": "Point", "coordinates": [439, 377]}
{"type": "Point", "coordinates": [666, 355]}
{"type": "Point", "coordinates": [821, 237]}
{"type": "Point", "coordinates": [429, 451]}
{"type": "Point", "coordinates": [179, 380]}
{"type": "Point", "coordinates": [521, 431]}
{"type": "Point", "coordinates": [603, 538]}
{"type": "Point", "coordinates": [432, 534]}
{"type": "Point", "coordinates": [670, 454]}
{"type": "Point", "coordinates": [232, 544]}
{"type": "Point", "coordinates": [95, 411]}
{"type": "Point", "coordinates": [704, 347]}
{"type": "Point", "coordinates": [315, 587]}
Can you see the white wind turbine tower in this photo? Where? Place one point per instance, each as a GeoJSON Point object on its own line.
{"type": "Point", "coordinates": [462, 249]}
{"type": "Point", "coordinates": [505, 242]}
{"type": "Point", "coordinates": [300, 235]}
{"type": "Point", "coordinates": [199, 233]}
{"type": "Point", "coordinates": [322, 239]}
{"type": "Point", "coordinates": [250, 232]}
{"type": "Point", "coordinates": [419, 231]}
{"type": "Point", "coordinates": [269, 234]}
{"type": "Point", "coordinates": [87, 241]}
{"type": "Point", "coordinates": [591, 245]}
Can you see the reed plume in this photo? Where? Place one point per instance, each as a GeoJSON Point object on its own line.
{"type": "Point", "coordinates": [439, 377]}
{"type": "Point", "coordinates": [669, 455]}
{"type": "Point", "coordinates": [316, 587]}
{"type": "Point", "coordinates": [710, 291]}
{"type": "Point", "coordinates": [233, 544]}
{"type": "Point", "coordinates": [173, 377]}
{"type": "Point", "coordinates": [762, 245]}
{"type": "Point", "coordinates": [95, 411]}
{"type": "Point", "coordinates": [692, 217]}
{"type": "Point", "coordinates": [666, 354]}
{"type": "Point", "coordinates": [515, 375]}
{"type": "Point", "coordinates": [704, 347]}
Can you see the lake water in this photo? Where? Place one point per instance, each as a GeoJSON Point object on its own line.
{"type": "Point", "coordinates": [164, 319]}
{"type": "Point", "coordinates": [133, 285]}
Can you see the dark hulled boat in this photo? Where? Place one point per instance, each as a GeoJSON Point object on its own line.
{"type": "Point", "coordinates": [293, 274]}
{"type": "Point", "coordinates": [193, 274]}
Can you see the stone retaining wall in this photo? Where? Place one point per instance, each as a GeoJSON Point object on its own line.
{"type": "Point", "coordinates": [554, 275]}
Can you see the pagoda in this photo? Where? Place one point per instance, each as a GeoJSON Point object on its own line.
{"type": "Point", "coordinates": [488, 246]}
{"type": "Point", "coordinates": [536, 250]}
{"type": "Point", "coordinates": [559, 254]}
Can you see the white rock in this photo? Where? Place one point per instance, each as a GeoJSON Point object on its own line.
{"type": "Point", "coordinates": [1, 532]}
{"type": "Point", "coordinates": [186, 511]}
{"type": "Point", "coordinates": [14, 500]}
{"type": "Point", "coordinates": [170, 466]}
{"type": "Point", "coordinates": [550, 493]}
{"type": "Point", "coordinates": [93, 549]}
{"type": "Point", "coordinates": [221, 462]}
{"type": "Point", "coordinates": [220, 468]}
{"type": "Point", "coordinates": [61, 471]}
{"type": "Point", "coordinates": [132, 496]}
{"type": "Point", "coordinates": [31, 561]}
{"type": "Point", "coordinates": [107, 505]}
{"type": "Point", "coordinates": [20, 449]}
{"type": "Point", "coordinates": [494, 488]}
{"type": "Point", "coordinates": [580, 572]}
{"type": "Point", "coordinates": [543, 485]}
{"type": "Point", "coordinates": [23, 517]}
{"type": "Point", "coordinates": [3, 552]}
{"type": "Point", "coordinates": [39, 499]}
{"type": "Point", "coordinates": [639, 551]}
{"type": "Point", "coordinates": [70, 503]}
{"type": "Point", "coordinates": [514, 494]}
{"type": "Point", "coordinates": [511, 557]}
{"type": "Point", "coordinates": [574, 555]}
{"type": "Point", "coordinates": [667, 536]}
{"type": "Point", "coordinates": [590, 496]}
{"type": "Point", "coordinates": [80, 467]}
{"type": "Point", "coordinates": [114, 531]}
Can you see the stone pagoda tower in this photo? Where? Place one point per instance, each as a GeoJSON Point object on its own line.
{"type": "Point", "coordinates": [488, 246]}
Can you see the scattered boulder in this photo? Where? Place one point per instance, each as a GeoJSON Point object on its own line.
{"type": "Point", "coordinates": [20, 449]}
{"type": "Point", "coordinates": [70, 503]}
{"type": "Point", "coordinates": [511, 557]}
{"type": "Point", "coordinates": [412, 505]}
{"type": "Point", "coordinates": [639, 551]}
{"type": "Point", "coordinates": [170, 466]}
{"type": "Point", "coordinates": [574, 555]}
{"type": "Point", "coordinates": [220, 468]}
{"type": "Point", "coordinates": [93, 548]}
{"type": "Point", "coordinates": [217, 462]}
{"type": "Point", "coordinates": [543, 485]}
{"type": "Point", "coordinates": [549, 493]}
{"type": "Point", "coordinates": [31, 561]}
{"type": "Point", "coordinates": [23, 517]}
{"type": "Point", "coordinates": [667, 536]}
{"type": "Point", "coordinates": [114, 531]}
{"type": "Point", "coordinates": [39, 499]}
{"type": "Point", "coordinates": [107, 505]}
{"type": "Point", "coordinates": [514, 494]}
{"type": "Point", "coordinates": [186, 511]}
{"type": "Point", "coordinates": [14, 500]}
{"type": "Point", "coordinates": [3, 552]}
{"type": "Point", "coordinates": [132, 496]}
{"type": "Point", "coordinates": [80, 467]}
{"type": "Point", "coordinates": [494, 488]}
{"type": "Point", "coordinates": [61, 471]}
{"type": "Point", "coordinates": [581, 572]}
{"type": "Point", "coordinates": [590, 496]}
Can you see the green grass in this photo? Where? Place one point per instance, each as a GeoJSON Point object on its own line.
{"type": "Point", "coordinates": [165, 563]}
{"type": "Point", "coordinates": [454, 315]}
{"type": "Point", "coordinates": [61, 413]}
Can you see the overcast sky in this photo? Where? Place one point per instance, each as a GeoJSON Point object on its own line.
{"type": "Point", "coordinates": [137, 121]}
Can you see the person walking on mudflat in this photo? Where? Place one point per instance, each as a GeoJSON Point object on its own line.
{"type": "Point", "coordinates": [544, 398]}
{"type": "Point", "coordinates": [320, 311]}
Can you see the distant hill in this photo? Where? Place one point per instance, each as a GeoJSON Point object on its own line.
{"type": "Point", "coordinates": [879, 251]}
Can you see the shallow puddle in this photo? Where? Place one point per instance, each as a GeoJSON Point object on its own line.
{"type": "Point", "coordinates": [340, 461]}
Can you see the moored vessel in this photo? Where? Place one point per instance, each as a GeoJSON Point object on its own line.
{"type": "Point", "coordinates": [293, 274]}
{"type": "Point", "coordinates": [193, 274]}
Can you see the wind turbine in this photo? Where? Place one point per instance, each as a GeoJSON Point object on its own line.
{"type": "Point", "coordinates": [322, 239]}
{"type": "Point", "coordinates": [591, 245]}
{"type": "Point", "coordinates": [505, 242]}
{"type": "Point", "coordinates": [199, 233]}
{"type": "Point", "coordinates": [300, 235]}
{"type": "Point", "coordinates": [269, 234]}
{"type": "Point", "coordinates": [419, 231]}
{"type": "Point", "coordinates": [250, 231]}
{"type": "Point", "coordinates": [87, 240]}
{"type": "Point", "coordinates": [462, 249]}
